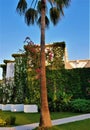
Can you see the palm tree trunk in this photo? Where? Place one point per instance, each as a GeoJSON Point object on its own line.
{"type": "Point", "coordinates": [45, 120]}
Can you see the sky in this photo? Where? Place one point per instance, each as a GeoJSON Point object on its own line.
{"type": "Point", "coordinates": [73, 28]}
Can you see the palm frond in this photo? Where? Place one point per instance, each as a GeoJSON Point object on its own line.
{"type": "Point", "coordinates": [66, 2]}
{"type": "Point", "coordinates": [30, 16]}
{"type": "Point", "coordinates": [21, 7]}
{"type": "Point", "coordinates": [39, 6]}
{"type": "Point", "coordinates": [62, 3]}
{"type": "Point", "coordinates": [54, 15]}
{"type": "Point", "coordinates": [60, 7]}
{"type": "Point", "coordinates": [46, 22]}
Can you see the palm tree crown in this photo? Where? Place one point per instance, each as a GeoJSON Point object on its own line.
{"type": "Point", "coordinates": [33, 13]}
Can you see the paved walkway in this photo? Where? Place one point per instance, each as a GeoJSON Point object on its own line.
{"type": "Point", "coordinates": [54, 122]}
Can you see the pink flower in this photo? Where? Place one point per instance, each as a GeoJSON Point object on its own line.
{"type": "Point", "coordinates": [38, 70]}
{"type": "Point", "coordinates": [51, 56]}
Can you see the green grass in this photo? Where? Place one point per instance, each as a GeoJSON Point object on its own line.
{"type": "Point", "coordinates": [58, 115]}
{"type": "Point", "coordinates": [28, 118]}
{"type": "Point", "coordinates": [21, 118]}
{"type": "Point", "coordinates": [78, 125]}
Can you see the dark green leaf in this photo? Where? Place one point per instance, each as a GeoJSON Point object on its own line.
{"type": "Point", "coordinates": [31, 16]}
{"type": "Point", "coordinates": [46, 21]}
{"type": "Point", "coordinates": [54, 15]}
{"type": "Point", "coordinates": [21, 7]}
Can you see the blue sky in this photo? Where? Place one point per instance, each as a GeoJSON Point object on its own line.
{"type": "Point", "coordinates": [73, 28]}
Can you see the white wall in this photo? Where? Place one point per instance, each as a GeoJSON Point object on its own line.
{"type": "Point", "coordinates": [10, 70]}
{"type": "Point", "coordinates": [0, 73]}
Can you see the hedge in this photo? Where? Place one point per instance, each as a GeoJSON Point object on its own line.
{"type": "Point", "coordinates": [66, 85]}
{"type": "Point", "coordinates": [75, 82]}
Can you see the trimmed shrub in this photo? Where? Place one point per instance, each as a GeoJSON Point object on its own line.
{"type": "Point", "coordinates": [80, 105]}
{"type": "Point", "coordinates": [10, 120]}
{"type": "Point", "coordinates": [2, 122]}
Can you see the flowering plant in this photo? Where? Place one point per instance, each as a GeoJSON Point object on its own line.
{"type": "Point", "coordinates": [49, 56]}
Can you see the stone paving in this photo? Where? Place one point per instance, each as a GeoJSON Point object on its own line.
{"type": "Point", "coordinates": [54, 122]}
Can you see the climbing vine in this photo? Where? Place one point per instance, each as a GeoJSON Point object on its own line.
{"type": "Point", "coordinates": [54, 55]}
{"type": "Point", "coordinates": [20, 78]}
{"type": "Point", "coordinates": [26, 84]}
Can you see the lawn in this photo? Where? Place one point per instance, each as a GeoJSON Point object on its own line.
{"type": "Point", "coordinates": [78, 125]}
{"type": "Point", "coordinates": [28, 118]}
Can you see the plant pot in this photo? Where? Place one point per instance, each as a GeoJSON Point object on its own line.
{"type": "Point", "coordinates": [30, 108]}
{"type": "Point", "coordinates": [6, 107]}
{"type": "Point", "coordinates": [17, 107]}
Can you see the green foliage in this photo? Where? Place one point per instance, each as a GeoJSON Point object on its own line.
{"type": "Point", "coordinates": [80, 105]}
{"type": "Point", "coordinates": [6, 91]}
{"type": "Point", "coordinates": [2, 122]}
{"type": "Point", "coordinates": [57, 94]}
{"type": "Point", "coordinates": [7, 121]}
{"type": "Point", "coordinates": [31, 13]}
{"type": "Point", "coordinates": [33, 60]}
{"type": "Point", "coordinates": [33, 56]}
{"type": "Point", "coordinates": [20, 79]}
{"type": "Point", "coordinates": [54, 15]}
{"type": "Point", "coordinates": [85, 81]}
{"type": "Point", "coordinates": [30, 16]}
{"type": "Point", "coordinates": [65, 85]}
{"type": "Point", "coordinates": [10, 120]}
{"type": "Point", "coordinates": [58, 51]}
{"type": "Point", "coordinates": [21, 7]}
{"type": "Point", "coordinates": [34, 91]}
{"type": "Point", "coordinates": [1, 93]}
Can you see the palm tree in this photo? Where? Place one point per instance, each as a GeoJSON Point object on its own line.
{"type": "Point", "coordinates": [37, 13]}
